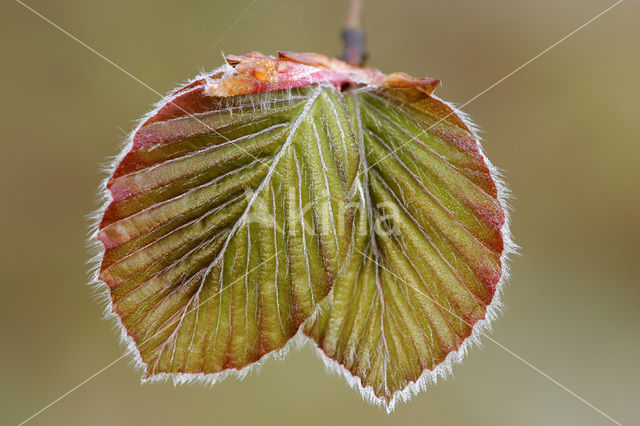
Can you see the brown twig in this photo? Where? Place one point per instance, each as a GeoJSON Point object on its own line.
{"type": "Point", "coordinates": [353, 50]}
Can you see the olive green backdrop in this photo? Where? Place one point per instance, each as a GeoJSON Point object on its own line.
{"type": "Point", "coordinates": [564, 129]}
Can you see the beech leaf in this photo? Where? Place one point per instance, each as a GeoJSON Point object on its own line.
{"type": "Point", "coordinates": [301, 195]}
{"type": "Point", "coordinates": [427, 257]}
{"type": "Point", "coordinates": [223, 230]}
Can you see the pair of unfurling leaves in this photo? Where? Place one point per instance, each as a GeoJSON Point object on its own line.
{"type": "Point", "coordinates": [278, 198]}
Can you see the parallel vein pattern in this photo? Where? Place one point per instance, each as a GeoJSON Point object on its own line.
{"type": "Point", "coordinates": [425, 259]}
{"type": "Point", "coordinates": [227, 225]}
{"type": "Point", "coordinates": [302, 193]}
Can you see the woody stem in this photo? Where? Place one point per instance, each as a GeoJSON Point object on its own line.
{"type": "Point", "coordinates": [353, 50]}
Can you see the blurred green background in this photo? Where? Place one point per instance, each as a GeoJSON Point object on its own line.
{"type": "Point", "coordinates": [564, 129]}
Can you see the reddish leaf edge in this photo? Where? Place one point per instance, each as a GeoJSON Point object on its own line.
{"type": "Point", "coordinates": [339, 73]}
{"type": "Point", "coordinates": [101, 291]}
{"type": "Point", "coordinates": [480, 328]}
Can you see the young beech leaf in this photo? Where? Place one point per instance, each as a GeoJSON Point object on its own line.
{"type": "Point", "coordinates": [426, 257]}
{"type": "Point", "coordinates": [301, 194]}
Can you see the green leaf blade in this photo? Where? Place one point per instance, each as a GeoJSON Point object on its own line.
{"type": "Point", "coordinates": [425, 267]}
{"type": "Point", "coordinates": [203, 235]}
{"type": "Point", "coordinates": [301, 193]}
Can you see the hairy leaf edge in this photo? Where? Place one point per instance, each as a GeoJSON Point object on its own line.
{"type": "Point", "coordinates": [101, 291]}
{"type": "Point", "coordinates": [480, 328]}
